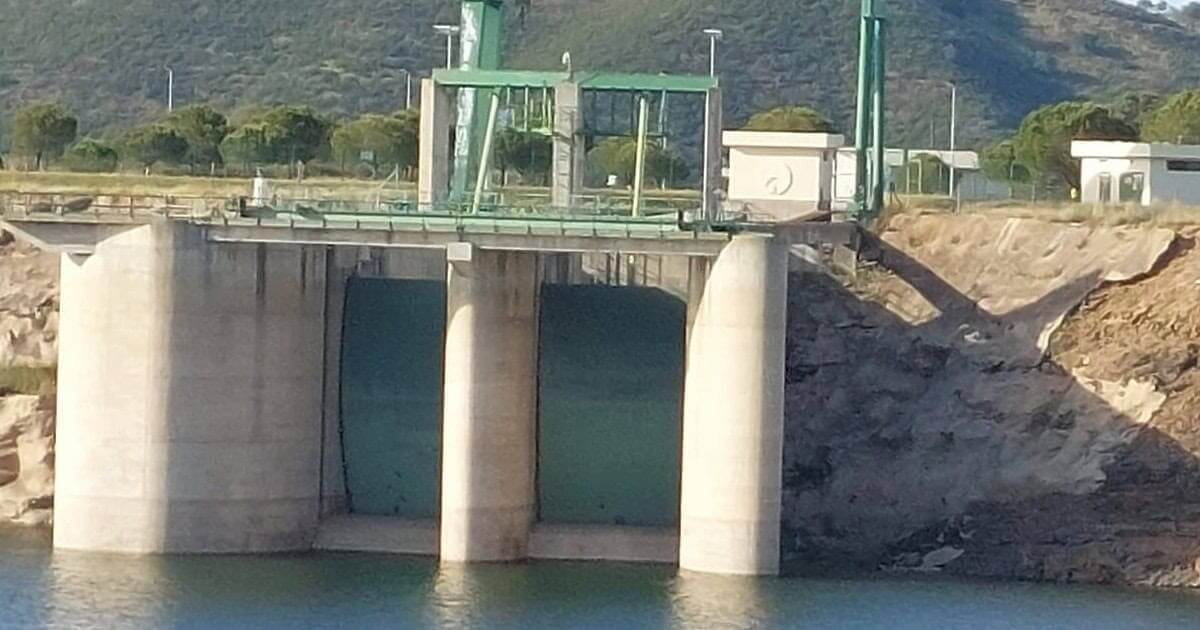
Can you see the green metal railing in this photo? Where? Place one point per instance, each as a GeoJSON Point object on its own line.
{"type": "Point", "coordinates": [597, 216]}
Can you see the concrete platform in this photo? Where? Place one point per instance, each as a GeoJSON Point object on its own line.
{"type": "Point", "coordinates": [604, 543]}
{"type": "Point", "coordinates": [377, 534]}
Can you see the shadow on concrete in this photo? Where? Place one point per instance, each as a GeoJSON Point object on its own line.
{"type": "Point", "coordinates": [941, 446]}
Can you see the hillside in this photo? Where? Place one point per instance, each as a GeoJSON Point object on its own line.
{"type": "Point", "coordinates": [105, 57]}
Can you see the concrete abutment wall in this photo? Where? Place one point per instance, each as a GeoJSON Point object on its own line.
{"type": "Point", "coordinates": [190, 380]}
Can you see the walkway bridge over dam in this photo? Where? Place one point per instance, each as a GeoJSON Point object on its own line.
{"type": "Point", "coordinates": [489, 386]}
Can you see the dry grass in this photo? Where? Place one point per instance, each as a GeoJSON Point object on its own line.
{"type": "Point", "coordinates": [123, 184]}
{"type": "Point", "coordinates": [39, 381]}
{"type": "Point", "coordinates": [1170, 215]}
{"type": "Point", "coordinates": [352, 190]}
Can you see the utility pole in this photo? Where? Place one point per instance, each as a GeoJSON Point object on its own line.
{"type": "Point", "coordinates": [871, 113]}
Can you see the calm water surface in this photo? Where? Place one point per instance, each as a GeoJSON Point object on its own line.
{"type": "Point", "coordinates": [40, 589]}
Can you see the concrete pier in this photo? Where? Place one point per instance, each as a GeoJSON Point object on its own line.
{"type": "Point", "coordinates": [489, 437]}
{"type": "Point", "coordinates": [733, 413]}
{"type": "Point", "coordinates": [437, 120]}
{"type": "Point", "coordinates": [189, 408]}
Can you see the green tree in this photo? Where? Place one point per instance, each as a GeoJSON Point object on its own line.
{"type": "Point", "coordinates": [296, 133]}
{"type": "Point", "coordinates": [1132, 107]}
{"type": "Point", "coordinates": [790, 118]}
{"type": "Point", "coordinates": [91, 156]}
{"type": "Point", "coordinates": [525, 152]}
{"type": "Point", "coordinates": [42, 132]}
{"type": "Point", "coordinates": [926, 174]}
{"type": "Point", "coordinates": [1176, 120]}
{"type": "Point", "coordinates": [1043, 143]}
{"type": "Point", "coordinates": [618, 156]}
{"type": "Point", "coordinates": [999, 163]}
{"type": "Point", "coordinates": [391, 141]}
{"type": "Point", "coordinates": [153, 144]}
{"type": "Point", "coordinates": [204, 128]}
{"type": "Point", "coordinates": [247, 145]}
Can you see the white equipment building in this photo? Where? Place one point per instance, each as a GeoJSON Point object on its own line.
{"type": "Point", "coordinates": [777, 176]}
{"type": "Point", "coordinates": [1138, 172]}
{"type": "Point", "coordinates": [782, 176]}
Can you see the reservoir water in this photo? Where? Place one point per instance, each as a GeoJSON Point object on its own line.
{"type": "Point", "coordinates": [39, 589]}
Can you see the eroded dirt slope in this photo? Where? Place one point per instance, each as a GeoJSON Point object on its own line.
{"type": "Point", "coordinates": [956, 408]}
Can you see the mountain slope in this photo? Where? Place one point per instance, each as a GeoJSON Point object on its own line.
{"type": "Point", "coordinates": [105, 58]}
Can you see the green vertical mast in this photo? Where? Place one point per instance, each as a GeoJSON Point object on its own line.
{"type": "Point", "coordinates": [871, 113]}
{"type": "Point", "coordinates": [482, 40]}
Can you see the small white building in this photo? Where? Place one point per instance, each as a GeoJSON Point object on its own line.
{"type": "Point", "coordinates": [1138, 172]}
{"type": "Point", "coordinates": [776, 176]}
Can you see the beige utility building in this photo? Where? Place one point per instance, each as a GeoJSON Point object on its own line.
{"type": "Point", "coordinates": [781, 176]}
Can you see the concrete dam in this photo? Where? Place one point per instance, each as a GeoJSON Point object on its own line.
{"type": "Point", "coordinates": [231, 388]}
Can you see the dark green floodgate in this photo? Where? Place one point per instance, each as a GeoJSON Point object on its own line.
{"type": "Point", "coordinates": [610, 387]}
{"type": "Point", "coordinates": [392, 347]}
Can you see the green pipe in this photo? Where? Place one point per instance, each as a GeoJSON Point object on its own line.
{"type": "Point", "coordinates": [639, 170]}
{"type": "Point", "coordinates": [879, 116]}
{"type": "Point", "coordinates": [862, 122]}
{"type": "Point", "coordinates": [485, 159]}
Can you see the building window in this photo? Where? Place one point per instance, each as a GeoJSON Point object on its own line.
{"type": "Point", "coordinates": [1184, 166]}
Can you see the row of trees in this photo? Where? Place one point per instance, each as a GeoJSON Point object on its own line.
{"type": "Point", "coordinates": [1041, 148]}
{"type": "Point", "coordinates": [199, 138]}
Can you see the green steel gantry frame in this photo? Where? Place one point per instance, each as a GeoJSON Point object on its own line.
{"type": "Point", "coordinates": [870, 143]}
{"type": "Point", "coordinates": [481, 40]}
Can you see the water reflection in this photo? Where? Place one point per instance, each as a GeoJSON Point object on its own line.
{"type": "Point", "coordinates": [708, 601]}
{"type": "Point", "coordinates": [456, 591]}
{"type": "Point", "coordinates": [98, 590]}
{"type": "Point", "coordinates": [70, 590]}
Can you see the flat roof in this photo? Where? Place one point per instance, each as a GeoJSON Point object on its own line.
{"type": "Point", "coordinates": [1104, 149]}
{"type": "Point", "coordinates": [783, 140]}
{"type": "Point", "coordinates": [963, 160]}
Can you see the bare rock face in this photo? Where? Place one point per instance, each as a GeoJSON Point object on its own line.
{"type": "Point", "coordinates": [28, 306]}
{"type": "Point", "coordinates": [969, 405]}
{"type": "Point", "coordinates": [26, 459]}
{"type": "Point", "coordinates": [28, 344]}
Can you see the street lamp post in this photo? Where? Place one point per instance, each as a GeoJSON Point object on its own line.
{"type": "Point", "coordinates": [407, 88]}
{"type": "Point", "coordinates": [170, 89]}
{"type": "Point", "coordinates": [953, 127]}
{"type": "Point", "coordinates": [449, 30]}
{"type": "Point", "coordinates": [714, 35]}
{"type": "Point", "coordinates": [953, 136]}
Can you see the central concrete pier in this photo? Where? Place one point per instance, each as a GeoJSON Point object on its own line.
{"type": "Point", "coordinates": [489, 434]}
